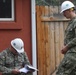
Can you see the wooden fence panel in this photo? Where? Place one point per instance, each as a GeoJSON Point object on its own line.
{"type": "Point", "coordinates": [50, 39]}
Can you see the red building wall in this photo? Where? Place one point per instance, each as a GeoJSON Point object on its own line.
{"type": "Point", "coordinates": [21, 27]}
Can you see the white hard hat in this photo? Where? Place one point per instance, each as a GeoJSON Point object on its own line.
{"type": "Point", "coordinates": [66, 5]}
{"type": "Point", "coordinates": [18, 45]}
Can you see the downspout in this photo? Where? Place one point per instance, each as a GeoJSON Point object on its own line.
{"type": "Point", "coordinates": [33, 21]}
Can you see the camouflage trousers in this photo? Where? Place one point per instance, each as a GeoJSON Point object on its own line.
{"type": "Point", "coordinates": [67, 65]}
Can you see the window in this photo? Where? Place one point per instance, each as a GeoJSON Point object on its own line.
{"type": "Point", "coordinates": [12, 21]}
{"type": "Point", "coordinates": [6, 10]}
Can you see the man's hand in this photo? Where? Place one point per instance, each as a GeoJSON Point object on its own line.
{"type": "Point", "coordinates": [64, 49]}
{"type": "Point", "coordinates": [15, 71]}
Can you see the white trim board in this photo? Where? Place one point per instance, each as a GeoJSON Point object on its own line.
{"type": "Point", "coordinates": [33, 22]}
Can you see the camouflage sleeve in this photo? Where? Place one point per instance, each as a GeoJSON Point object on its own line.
{"type": "Point", "coordinates": [3, 68]}
{"type": "Point", "coordinates": [73, 42]}
{"type": "Point", "coordinates": [26, 58]}
{"type": "Point", "coordinates": [27, 62]}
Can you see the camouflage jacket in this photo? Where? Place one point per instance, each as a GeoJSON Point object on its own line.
{"type": "Point", "coordinates": [9, 61]}
{"type": "Point", "coordinates": [70, 35]}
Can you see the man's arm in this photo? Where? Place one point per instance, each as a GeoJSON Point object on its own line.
{"type": "Point", "coordinates": [71, 44]}
{"type": "Point", "coordinates": [4, 69]}
{"type": "Point", "coordinates": [26, 59]}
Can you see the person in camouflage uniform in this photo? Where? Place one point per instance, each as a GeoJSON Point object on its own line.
{"type": "Point", "coordinates": [14, 58]}
{"type": "Point", "coordinates": [68, 64]}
